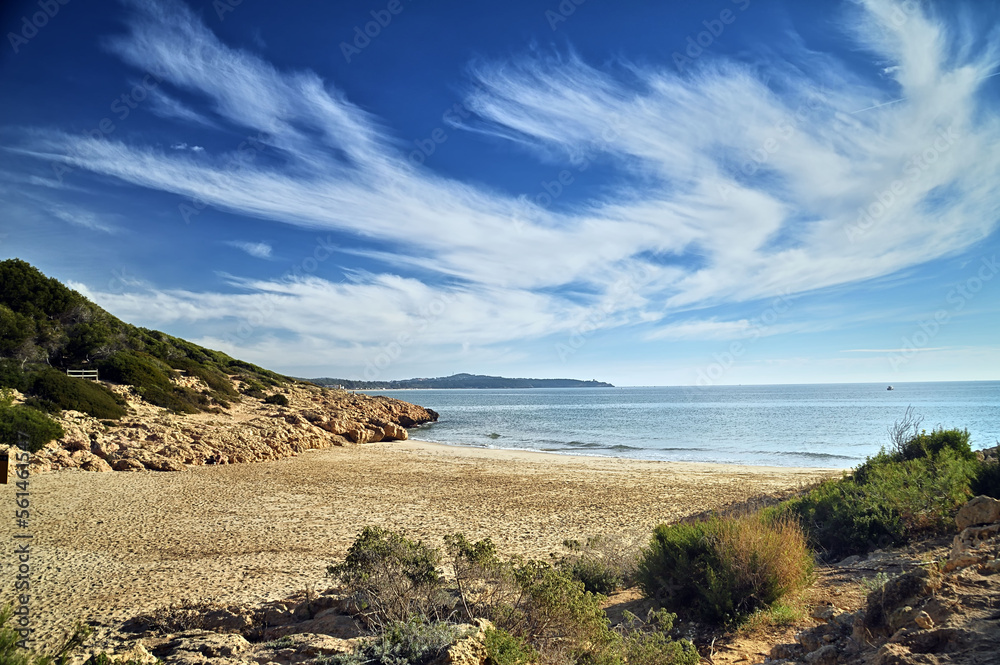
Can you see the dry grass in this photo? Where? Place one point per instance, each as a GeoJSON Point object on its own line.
{"type": "Point", "coordinates": [725, 568]}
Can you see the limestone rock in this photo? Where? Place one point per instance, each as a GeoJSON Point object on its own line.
{"type": "Point", "coordinates": [197, 646]}
{"type": "Point", "coordinates": [980, 510]}
{"type": "Point", "coordinates": [826, 655]}
{"type": "Point", "coordinates": [103, 449]}
{"type": "Point", "coordinates": [299, 647]}
{"type": "Point", "coordinates": [137, 654]}
{"type": "Point", "coordinates": [365, 435]}
{"type": "Point", "coordinates": [128, 465]}
{"type": "Point", "coordinates": [394, 432]}
{"type": "Point", "coordinates": [469, 650]}
{"type": "Point", "coordinates": [226, 621]}
{"type": "Point", "coordinates": [94, 463]}
{"type": "Point", "coordinates": [152, 438]}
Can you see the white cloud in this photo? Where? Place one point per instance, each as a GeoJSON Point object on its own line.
{"type": "Point", "coordinates": [165, 106]}
{"type": "Point", "coordinates": [755, 192]}
{"type": "Point", "coordinates": [83, 219]}
{"type": "Point", "coordinates": [260, 250]}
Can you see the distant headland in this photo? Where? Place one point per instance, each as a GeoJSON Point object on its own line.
{"type": "Point", "coordinates": [460, 381]}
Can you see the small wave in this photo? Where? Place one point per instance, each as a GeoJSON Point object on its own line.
{"type": "Point", "coordinates": [622, 446]}
{"type": "Point", "coordinates": [584, 444]}
{"type": "Point", "coordinates": [800, 453]}
{"type": "Point", "coordinates": [683, 450]}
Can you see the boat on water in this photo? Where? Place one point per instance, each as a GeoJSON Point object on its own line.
{"type": "Point", "coordinates": [890, 388]}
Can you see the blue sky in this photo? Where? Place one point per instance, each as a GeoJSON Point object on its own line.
{"type": "Point", "coordinates": [671, 193]}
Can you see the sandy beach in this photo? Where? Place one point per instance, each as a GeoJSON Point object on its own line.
{"type": "Point", "coordinates": [108, 545]}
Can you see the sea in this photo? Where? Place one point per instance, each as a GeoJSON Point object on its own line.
{"type": "Point", "coordinates": [821, 425]}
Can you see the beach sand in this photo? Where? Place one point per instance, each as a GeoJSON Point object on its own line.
{"type": "Point", "coordinates": [108, 545]}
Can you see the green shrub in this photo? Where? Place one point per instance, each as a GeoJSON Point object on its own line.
{"type": "Point", "coordinates": [724, 568]}
{"type": "Point", "coordinates": [391, 577]}
{"type": "Point", "coordinates": [889, 499]}
{"type": "Point", "coordinates": [151, 378]}
{"type": "Point", "coordinates": [215, 379]}
{"type": "Point", "coordinates": [530, 600]}
{"type": "Point", "coordinates": [70, 392]}
{"type": "Point", "coordinates": [649, 642]}
{"type": "Point", "coordinates": [137, 370]}
{"type": "Point", "coordinates": [502, 648]}
{"type": "Point", "coordinates": [276, 398]}
{"type": "Point", "coordinates": [12, 654]}
{"type": "Point", "coordinates": [842, 517]}
{"type": "Point", "coordinates": [930, 445]}
{"type": "Point", "coordinates": [11, 375]}
{"type": "Point", "coordinates": [987, 480]}
{"type": "Point", "coordinates": [35, 427]}
{"type": "Point", "coordinates": [413, 642]}
{"type": "Point", "coordinates": [604, 564]}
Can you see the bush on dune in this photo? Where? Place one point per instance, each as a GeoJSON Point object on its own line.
{"type": "Point", "coordinates": [914, 488]}
{"type": "Point", "coordinates": [724, 568]}
{"type": "Point", "coordinates": [540, 613]}
{"type": "Point", "coordinates": [391, 577]}
{"type": "Point", "coordinates": [604, 564]}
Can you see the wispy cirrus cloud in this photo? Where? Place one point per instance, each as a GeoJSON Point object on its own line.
{"type": "Point", "coordinates": [740, 185]}
{"type": "Point", "coordinates": [260, 250]}
{"type": "Point", "coordinates": [83, 218]}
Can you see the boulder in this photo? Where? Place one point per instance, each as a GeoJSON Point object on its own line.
{"type": "Point", "coordinates": [95, 464]}
{"type": "Point", "coordinates": [469, 650]}
{"type": "Point", "coordinates": [980, 510]}
{"type": "Point", "coordinates": [104, 449]}
{"type": "Point", "coordinates": [394, 432]}
{"type": "Point", "coordinates": [137, 655]}
{"type": "Point", "coordinates": [126, 464]}
{"type": "Point", "coordinates": [365, 435]}
{"type": "Point", "coordinates": [198, 646]}
{"type": "Point", "coordinates": [226, 621]}
{"type": "Point", "coordinates": [297, 647]}
{"type": "Point", "coordinates": [150, 460]}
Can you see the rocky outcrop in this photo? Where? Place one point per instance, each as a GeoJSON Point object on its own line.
{"type": "Point", "coordinates": [940, 613]}
{"type": "Point", "coordinates": [154, 439]}
{"type": "Point", "coordinates": [981, 510]}
{"type": "Point", "coordinates": [307, 628]}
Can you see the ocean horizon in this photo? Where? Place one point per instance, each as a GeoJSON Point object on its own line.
{"type": "Point", "coordinates": [833, 425]}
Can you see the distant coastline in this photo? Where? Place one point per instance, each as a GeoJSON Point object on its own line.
{"type": "Point", "coordinates": [459, 381]}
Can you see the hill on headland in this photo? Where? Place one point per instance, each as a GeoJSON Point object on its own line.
{"type": "Point", "coordinates": [460, 381]}
{"type": "Point", "coordinates": [161, 402]}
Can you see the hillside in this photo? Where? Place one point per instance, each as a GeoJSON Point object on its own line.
{"type": "Point", "coordinates": [460, 381]}
{"type": "Point", "coordinates": [161, 402]}
{"type": "Point", "coordinates": [47, 328]}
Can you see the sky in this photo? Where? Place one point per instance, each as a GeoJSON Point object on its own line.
{"type": "Point", "coordinates": [645, 193]}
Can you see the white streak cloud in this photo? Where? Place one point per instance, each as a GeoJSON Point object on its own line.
{"type": "Point", "coordinates": [740, 186]}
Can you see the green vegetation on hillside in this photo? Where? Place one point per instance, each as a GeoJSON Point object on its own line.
{"type": "Point", "coordinates": [23, 426]}
{"type": "Point", "coordinates": [47, 328]}
{"type": "Point", "coordinates": [463, 381]}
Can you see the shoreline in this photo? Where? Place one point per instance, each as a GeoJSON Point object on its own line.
{"type": "Point", "coordinates": [523, 454]}
{"type": "Point", "coordinates": [107, 546]}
